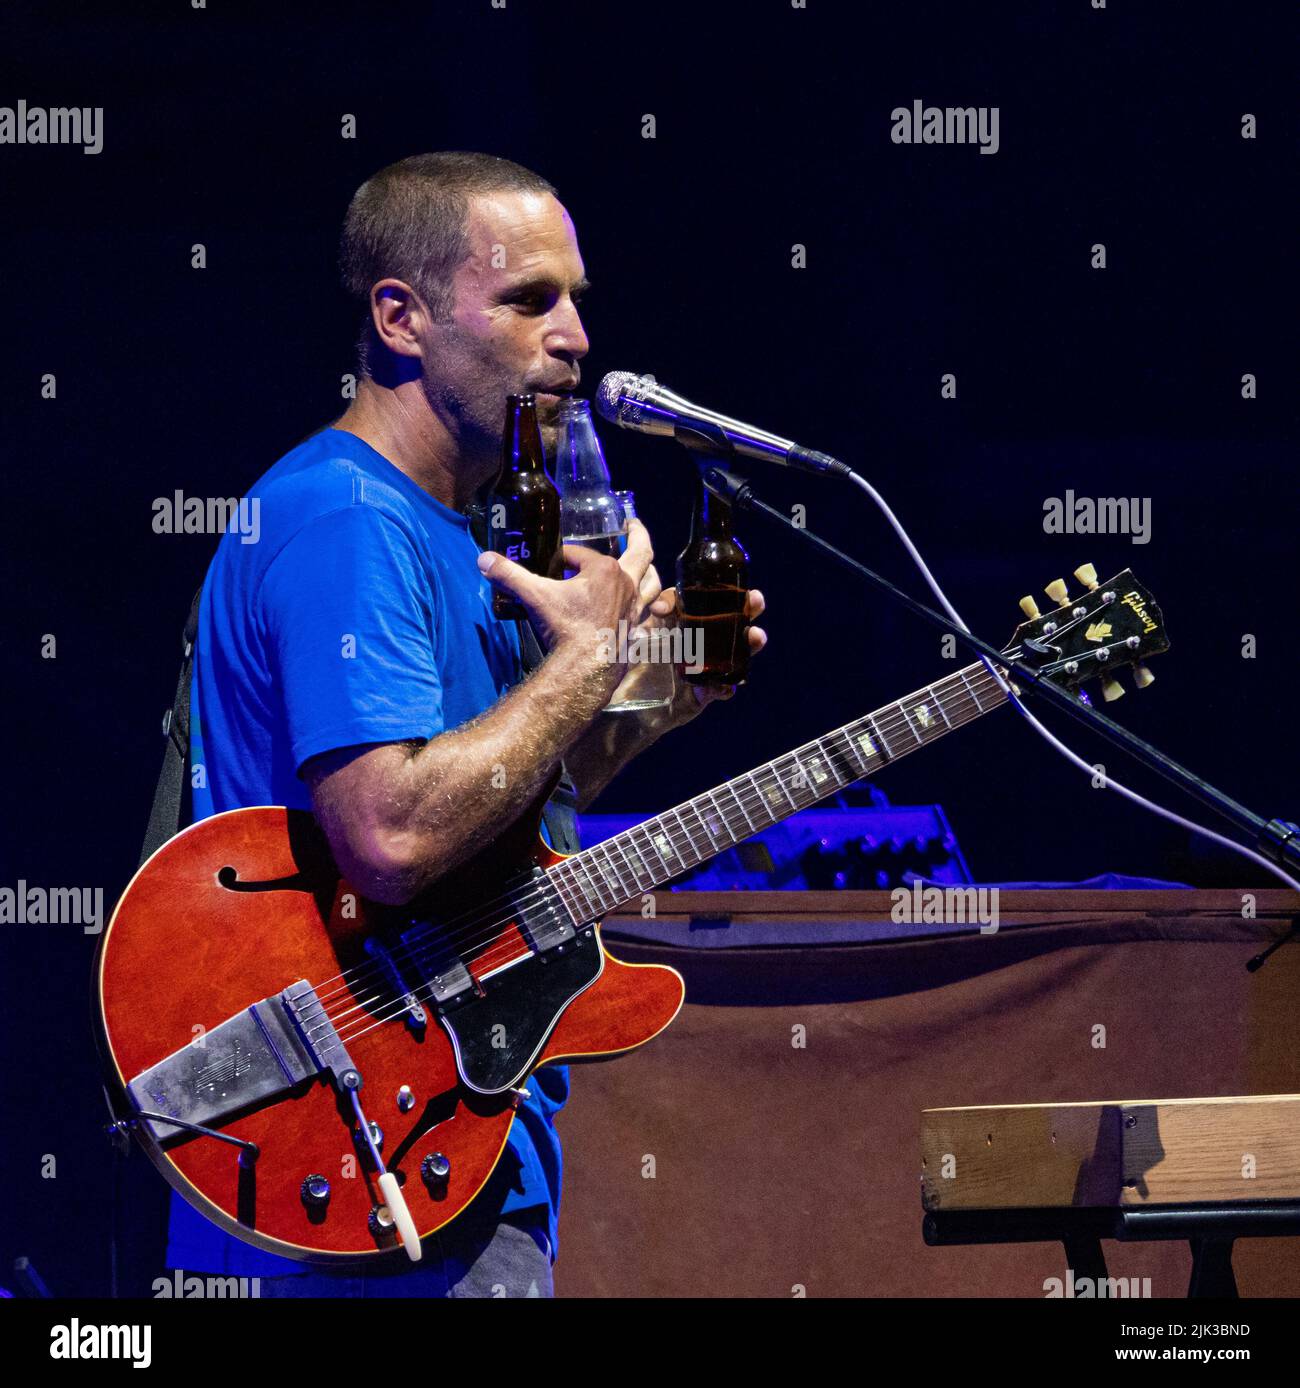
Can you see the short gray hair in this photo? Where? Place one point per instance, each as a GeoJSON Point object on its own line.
{"type": "Point", "coordinates": [407, 222]}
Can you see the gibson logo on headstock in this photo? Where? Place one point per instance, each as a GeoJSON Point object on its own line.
{"type": "Point", "coordinates": [1134, 601]}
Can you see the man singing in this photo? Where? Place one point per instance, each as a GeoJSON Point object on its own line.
{"type": "Point", "coordinates": [349, 661]}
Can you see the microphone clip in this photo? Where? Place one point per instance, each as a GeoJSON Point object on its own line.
{"type": "Point", "coordinates": [710, 447]}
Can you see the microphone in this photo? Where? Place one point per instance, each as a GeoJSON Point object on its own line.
{"type": "Point", "coordinates": [641, 403]}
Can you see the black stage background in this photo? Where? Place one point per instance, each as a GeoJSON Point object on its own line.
{"type": "Point", "coordinates": [222, 126]}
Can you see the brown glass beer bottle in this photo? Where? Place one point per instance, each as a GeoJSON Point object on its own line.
{"type": "Point", "coordinates": [524, 506]}
{"type": "Point", "coordinates": [712, 585]}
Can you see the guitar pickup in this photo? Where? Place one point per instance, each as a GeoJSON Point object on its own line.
{"type": "Point", "coordinates": [542, 917]}
{"type": "Point", "coordinates": [415, 1016]}
{"type": "Point", "coordinates": [446, 980]}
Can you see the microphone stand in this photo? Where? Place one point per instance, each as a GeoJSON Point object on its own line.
{"type": "Point", "coordinates": [1276, 839]}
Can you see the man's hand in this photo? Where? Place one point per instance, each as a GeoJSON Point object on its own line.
{"type": "Point", "coordinates": [580, 617]}
{"type": "Point", "coordinates": [662, 615]}
{"type": "Point", "coordinates": [577, 620]}
{"type": "Point", "coordinates": [611, 742]}
{"type": "Point", "coordinates": [690, 699]}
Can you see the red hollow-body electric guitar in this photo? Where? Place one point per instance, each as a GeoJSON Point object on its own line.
{"type": "Point", "coordinates": [331, 1080]}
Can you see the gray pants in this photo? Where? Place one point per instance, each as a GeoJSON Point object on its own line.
{"type": "Point", "coordinates": [466, 1259]}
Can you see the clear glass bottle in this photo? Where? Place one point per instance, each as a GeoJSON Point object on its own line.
{"type": "Point", "coordinates": [595, 516]}
{"type": "Point", "coordinates": [590, 514]}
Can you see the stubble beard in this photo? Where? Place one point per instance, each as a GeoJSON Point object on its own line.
{"type": "Point", "coordinates": [474, 422]}
{"type": "Point", "coordinates": [475, 415]}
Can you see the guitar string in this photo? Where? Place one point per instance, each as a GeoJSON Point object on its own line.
{"type": "Point", "coordinates": [497, 957]}
{"type": "Point", "coordinates": [676, 837]}
{"type": "Point", "coordinates": [755, 793]}
{"type": "Point", "coordinates": [401, 1008]}
{"type": "Point", "coordinates": [1012, 652]}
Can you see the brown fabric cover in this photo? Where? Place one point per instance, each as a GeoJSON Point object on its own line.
{"type": "Point", "coordinates": [778, 1167]}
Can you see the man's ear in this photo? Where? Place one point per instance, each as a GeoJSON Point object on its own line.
{"type": "Point", "coordinates": [399, 317]}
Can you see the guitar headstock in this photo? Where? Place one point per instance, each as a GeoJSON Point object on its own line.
{"type": "Point", "coordinates": [1106, 627]}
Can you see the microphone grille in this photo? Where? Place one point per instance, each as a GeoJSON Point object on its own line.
{"type": "Point", "coordinates": [619, 396]}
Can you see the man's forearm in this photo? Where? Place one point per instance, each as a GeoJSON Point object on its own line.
{"type": "Point", "coordinates": [409, 817]}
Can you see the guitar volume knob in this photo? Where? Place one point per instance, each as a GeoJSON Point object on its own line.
{"type": "Point", "coordinates": [315, 1191]}
{"type": "Point", "coordinates": [380, 1221]}
{"type": "Point", "coordinates": [435, 1169]}
{"type": "Point", "coordinates": [376, 1132]}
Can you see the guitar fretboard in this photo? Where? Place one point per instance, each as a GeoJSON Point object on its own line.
{"type": "Point", "coordinates": [601, 878]}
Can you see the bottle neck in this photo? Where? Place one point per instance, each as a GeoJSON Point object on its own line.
{"type": "Point", "coordinates": [521, 444]}
{"type": "Point", "coordinates": [711, 518]}
{"type": "Point", "coordinates": [579, 459]}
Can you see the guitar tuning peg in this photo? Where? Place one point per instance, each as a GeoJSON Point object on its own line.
{"type": "Point", "coordinates": [1087, 575]}
{"type": "Point", "coordinates": [1111, 690]}
{"type": "Point", "coordinates": [1056, 590]}
{"type": "Point", "coordinates": [1030, 608]}
{"type": "Point", "coordinates": [1142, 676]}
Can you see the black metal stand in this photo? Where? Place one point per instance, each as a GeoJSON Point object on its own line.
{"type": "Point", "coordinates": [1210, 1230]}
{"type": "Point", "coordinates": [118, 1133]}
{"type": "Point", "coordinates": [1277, 839]}
{"type": "Point", "coordinates": [248, 1151]}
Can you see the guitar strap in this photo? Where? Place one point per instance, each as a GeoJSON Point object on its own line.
{"type": "Point", "coordinates": [168, 808]}
{"type": "Point", "coordinates": [167, 814]}
{"type": "Point", "coordinates": [560, 813]}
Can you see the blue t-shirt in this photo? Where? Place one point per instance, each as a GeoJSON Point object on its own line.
{"type": "Point", "coordinates": [350, 610]}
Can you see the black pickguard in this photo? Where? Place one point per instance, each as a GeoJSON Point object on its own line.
{"type": "Point", "coordinates": [497, 1035]}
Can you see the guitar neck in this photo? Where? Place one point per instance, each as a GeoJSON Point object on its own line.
{"type": "Point", "coordinates": [599, 879]}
